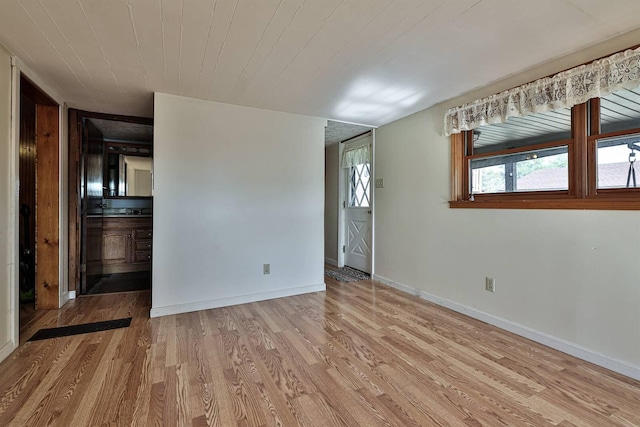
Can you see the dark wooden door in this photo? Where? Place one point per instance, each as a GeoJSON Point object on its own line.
{"type": "Point", "coordinates": [92, 204]}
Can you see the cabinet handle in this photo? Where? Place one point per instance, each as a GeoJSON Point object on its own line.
{"type": "Point", "coordinates": [149, 245]}
{"type": "Point", "coordinates": [148, 256]}
{"type": "Point", "coordinates": [150, 234]}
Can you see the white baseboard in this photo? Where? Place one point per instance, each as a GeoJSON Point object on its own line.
{"type": "Point", "coordinates": [608, 362]}
{"type": "Point", "coordinates": [241, 299]}
{"type": "Point", "coordinates": [7, 349]}
{"type": "Point", "coordinates": [63, 299]}
{"type": "Point", "coordinates": [66, 296]}
{"type": "Point", "coordinates": [331, 261]}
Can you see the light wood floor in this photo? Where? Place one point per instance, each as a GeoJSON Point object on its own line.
{"type": "Point", "coordinates": [359, 354]}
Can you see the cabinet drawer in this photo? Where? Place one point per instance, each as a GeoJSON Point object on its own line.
{"type": "Point", "coordinates": [143, 245]}
{"type": "Point", "coordinates": [142, 256]}
{"type": "Point", "coordinates": [142, 233]}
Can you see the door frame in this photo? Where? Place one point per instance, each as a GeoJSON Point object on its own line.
{"type": "Point", "coordinates": [76, 118]}
{"type": "Point", "coordinates": [342, 197]}
{"type": "Point", "coordinates": [49, 200]}
{"type": "Point", "coordinates": [18, 70]}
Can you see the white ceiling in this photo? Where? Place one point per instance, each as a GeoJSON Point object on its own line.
{"type": "Point", "coordinates": [362, 61]}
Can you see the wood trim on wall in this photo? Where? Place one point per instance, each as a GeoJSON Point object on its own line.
{"type": "Point", "coordinates": [594, 116]}
{"type": "Point", "coordinates": [75, 149]}
{"type": "Point", "coordinates": [578, 150]}
{"type": "Point", "coordinates": [47, 207]}
{"type": "Point", "coordinates": [457, 161]}
{"type": "Point", "coordinates": [588, 203]}
{"type": "Point", "coordinates": [508, 151]}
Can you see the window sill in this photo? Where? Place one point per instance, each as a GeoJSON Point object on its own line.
{"type": "Point", "coordinates": [584, 204]}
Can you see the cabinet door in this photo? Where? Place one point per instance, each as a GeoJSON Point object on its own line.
{"type": "Point", "coordinates": [115, 247]}
{"type": "Point", "coordinates": [143, 245]}
{"type": "Point", "coordinates": [142, 256]}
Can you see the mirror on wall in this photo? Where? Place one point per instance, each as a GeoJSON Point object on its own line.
{"type": "Point", "coordinates": [129, 171]}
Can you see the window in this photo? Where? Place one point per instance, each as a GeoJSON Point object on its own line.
{"type": "Point", "coordinates": [523, 154]}
{"type": "Point", "coordinates": [617, 162]}
{"type": "Point", "coordinates": [359, 186]}
{"type": "Point", "coordinates": [540, 170]}
{"type": "Point", "coordinates": [620, 111]}
{"type": "Point", "coordinates": [357, 161]}
{"type": "Point", "coordinates": [583, 157]}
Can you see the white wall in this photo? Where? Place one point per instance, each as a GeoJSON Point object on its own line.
{"type": "Point", "coordinates": [7, 210]}
{"type": "Point", "coordinates": [234, 188]}
{"type": "Point", "coordinates": [571, 275]}
{"type": "Point", "coordinates": [331, 211]}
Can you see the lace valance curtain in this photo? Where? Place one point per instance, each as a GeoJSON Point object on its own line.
{"type": "Point", "coordinates": [564, 90]}
{"type": "Point", "coordinates": [356, 156]}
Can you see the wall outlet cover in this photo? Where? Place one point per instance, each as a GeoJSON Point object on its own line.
{"type": "Point", "coordinates": [266, 268]}
{"type": "Point", "coordinates": [490, 284]}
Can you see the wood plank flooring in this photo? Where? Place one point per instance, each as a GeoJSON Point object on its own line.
{"type": "Point", "coordinates": [361, 354]}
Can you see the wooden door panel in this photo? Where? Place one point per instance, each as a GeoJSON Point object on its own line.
{"type": "Point", "coordinates": [92, 238]}
{"type": "Point", "coordinates": [47, 212]}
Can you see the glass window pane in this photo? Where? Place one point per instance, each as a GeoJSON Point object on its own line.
{"type": "Point", "coordinates": [540, 170]}
{"type": "Point", "coordinates": [488, 179]}
{"type": "Point", "coordinates": [620, 111]}
{"type": "Point", "coordinates": [359, 185]}
{"type": "Point", "coordinates": [616, 162]}
{"type": "Point", "coordinates": [519, 132]}
{"type": "Point", "coordinates": [548, 173]}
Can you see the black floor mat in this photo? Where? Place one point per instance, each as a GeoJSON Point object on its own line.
{"type": "Point", "coordinates": [85, 328]}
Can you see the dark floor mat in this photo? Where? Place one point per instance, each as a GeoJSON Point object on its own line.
{"type": "Point", "coordinates": [85, 328]}
{"type": "Point", "coordinates": [122, 282]}
{"type": "Point", "coordinates": [347, 274]}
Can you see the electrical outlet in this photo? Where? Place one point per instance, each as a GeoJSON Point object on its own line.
{"type": "Point", "coordinates": [379, 183]}
{"type": "Point", "coordinates": [490, 284]}
{"type": "Point", "coordinates": [266, 268]}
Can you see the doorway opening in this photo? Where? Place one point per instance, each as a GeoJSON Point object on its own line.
{"type": "Point", "coordinates": [38, 195]}
{"type": "Point", "coordinates": [356, 166]}
{"type": "Point", "coordinates": [112, 239]}
{"type": "Point", "coordinates": [349, 199]}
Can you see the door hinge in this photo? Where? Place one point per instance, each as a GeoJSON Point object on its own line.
{"type": "Point", "coordinates": [83, 268]}
{"type": "Point", "coordinates": [344, 203]}
{"type": "Point", "coordinates": [344, 248]}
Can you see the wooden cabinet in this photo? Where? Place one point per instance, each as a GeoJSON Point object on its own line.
{"type": "Point", "coordinates": [142, 241]}
{"type": "Point", "coordinates": [126, 244]}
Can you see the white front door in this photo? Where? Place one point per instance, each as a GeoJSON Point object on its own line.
{"type": "Point", "coordinates": [358, 216]}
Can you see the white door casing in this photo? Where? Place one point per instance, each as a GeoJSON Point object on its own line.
{"type": "Point", "coordinates": [358, 209]}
